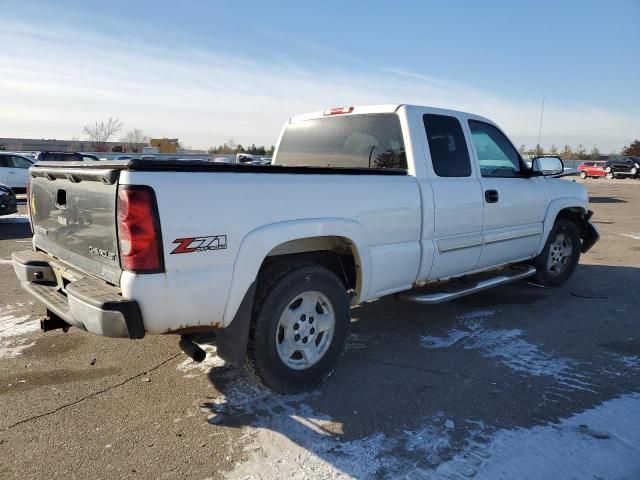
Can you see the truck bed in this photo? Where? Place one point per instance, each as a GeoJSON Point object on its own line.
{"type": "Point", "coordinates": [202, 166]}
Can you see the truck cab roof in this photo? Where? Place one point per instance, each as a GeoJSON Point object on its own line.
{"type": "Point", "coordinates": [381, 108]}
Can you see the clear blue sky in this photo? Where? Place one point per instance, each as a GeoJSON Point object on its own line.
{"type": "Point", "coordinates": [582, 55]}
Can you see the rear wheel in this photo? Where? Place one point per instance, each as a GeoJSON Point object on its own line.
{"type": "Point", "coordinates": [609, 175]}
{"type": "Point", "coordinates": [299, 328]}
{"type": "Point", "coordinates": [560, 255]}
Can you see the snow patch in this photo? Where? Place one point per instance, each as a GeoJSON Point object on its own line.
{"type": "Point", "coordinates": [478, 314]}
{"type": "Point", "coordinates": [630, 361]}
{"type": "Point", "coordinates": [603, 442]}
{"type": "Point", "coordinates": [453, 336]}
{"type": "Point", "coordinates": [295, 442]}
{"type": "Point", "coordinates": [631, 235]}
{"type": "Point", "coordinates": [12, 331]}
{"type": "Point", "coordinates": [356, 341]}
{"type": "Point", "coordinates": [509, 348]}
{"type": "Point", "coordinates": [192, 369]}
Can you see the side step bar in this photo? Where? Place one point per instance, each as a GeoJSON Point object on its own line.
{"type": "Point", "coordinates": [504, 277]}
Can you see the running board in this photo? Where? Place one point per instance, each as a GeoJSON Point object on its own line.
{"type": "Point", "coordinates": [508, 276]}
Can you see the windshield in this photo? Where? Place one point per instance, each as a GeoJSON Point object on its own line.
{"type": "Point", "coordinates": [352, 141]}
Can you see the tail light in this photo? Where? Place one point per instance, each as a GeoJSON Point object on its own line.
{"type": "Point", "coordinates": [338, 111]}
{"type": "Point", "coordinates": [29, 206]}
{"type": "Point", "coordinates": [139, 230]}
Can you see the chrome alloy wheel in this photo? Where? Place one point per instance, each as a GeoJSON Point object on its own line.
{"type": "Point", "coordinates": [305, 330]}
{"type": "Point", "coordinates": [560, 252]}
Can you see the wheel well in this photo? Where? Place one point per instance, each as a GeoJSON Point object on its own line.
{"type": "Point", "coordinates": [337, 254]}
{"type": "Point", "coordinates": [577, 216]}
{"type": "Point", "coordinates": [572, 214]}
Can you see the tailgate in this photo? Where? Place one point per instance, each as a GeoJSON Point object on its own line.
{"type": "Point", "coordinates": [73, 213]}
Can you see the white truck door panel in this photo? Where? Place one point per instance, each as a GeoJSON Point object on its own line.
{"type": "Point", "coordinates": [456, 196]}
{"type": "Point", "coordinates": [17, 172]}
{"type": "Point", "coordinates": [514, 206]}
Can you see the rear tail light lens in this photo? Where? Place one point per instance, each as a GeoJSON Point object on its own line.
{"type": "Point", "coordinates": [338, 111]}
{"type": "Point", "coordinates": [139, 230]}
{"type": "Point", "coordinates": [28, 195]}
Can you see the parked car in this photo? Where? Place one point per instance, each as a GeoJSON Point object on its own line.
{"type": "Point", "coordinates": [8, 202]}
{"type": "Point", "coordinates": [623, 167]}
{"type": "Point", "coordinates": [363, 202]}
{"type": "Point", "coordinates": [14, 170]}
{"type": "Point", "coordinates": [65, 157]}
{"type": "Point", "coordinates": [592, 169]}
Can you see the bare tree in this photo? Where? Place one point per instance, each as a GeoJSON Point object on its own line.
{"type": "Point", "coordinates": [100, 132]}
{"type": "Point", "coordinates": [134, 138]}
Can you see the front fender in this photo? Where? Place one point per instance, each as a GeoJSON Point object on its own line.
{"type": "Point", "coordinates": [257, 244]}
{"type": "Point", "coordinates": [554, 208]}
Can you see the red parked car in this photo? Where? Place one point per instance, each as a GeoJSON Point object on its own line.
{"type": "Point", "coordinates": [592, 169]}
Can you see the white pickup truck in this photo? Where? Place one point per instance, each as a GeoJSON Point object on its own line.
{"type": "Point", "coordinates": [360, 202]}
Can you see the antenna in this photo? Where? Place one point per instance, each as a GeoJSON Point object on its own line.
{"type": "Point", "coordinates": [541, 115]}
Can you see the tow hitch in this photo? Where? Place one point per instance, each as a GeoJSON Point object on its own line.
{"type": "Point", "coordinates": [53, 322]}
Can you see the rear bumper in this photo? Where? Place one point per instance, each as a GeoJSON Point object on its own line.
{"type": "Point", "coordinates": [78, 299]}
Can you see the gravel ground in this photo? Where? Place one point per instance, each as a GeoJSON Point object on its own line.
{"type": "Point", "coordinates": [515, 382]}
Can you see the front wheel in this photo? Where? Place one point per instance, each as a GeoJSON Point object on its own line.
{"type": "Point", "coordinates": [299, 328]}
{"type": "Point", "coordinates": [583, 175]}
{"type": "Point", "coordinates": [560, 255]}
{"type": "Point", "coordinates": [609, 175]}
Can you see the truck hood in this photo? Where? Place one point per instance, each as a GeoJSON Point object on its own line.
{"type": "Point", "coordinates": [562, 188]}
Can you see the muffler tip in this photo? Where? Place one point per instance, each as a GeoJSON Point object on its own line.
{"type": "Point", "coordinates": [191, 349]}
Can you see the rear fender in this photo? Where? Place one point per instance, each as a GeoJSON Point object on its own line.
{"type": "Point", "coordinates": [257, 245]}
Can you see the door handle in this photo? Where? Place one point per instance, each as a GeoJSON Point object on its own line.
{"type": "Point", "coordinates": [491, 196]}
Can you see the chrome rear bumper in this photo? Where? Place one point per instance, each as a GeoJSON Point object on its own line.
{"type": "Point", "coordinates": [80, 300]}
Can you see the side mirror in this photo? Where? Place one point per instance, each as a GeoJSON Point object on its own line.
{"type": "Point", "coordinates": [548, 165]}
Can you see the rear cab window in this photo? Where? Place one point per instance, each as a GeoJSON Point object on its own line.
{"type": "Point", "coordinates": [366, 141]}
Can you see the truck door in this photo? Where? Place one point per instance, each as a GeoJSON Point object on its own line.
{"type": "Point", "coordinates": [4, 163]}
{"type": "Point", "coordinates": [514, 204]}
{"type": "Point", "coordinates": [457, 198]}
{"type": "Point", "coordinates": [17, 171]}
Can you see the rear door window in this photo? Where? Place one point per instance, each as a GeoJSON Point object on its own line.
{"type": "Point", "coordinates": [19, 162]}
{"type": "Point", "coordinates": [350, 141]}
{"type": "Point", "coordinates": [449, 151]}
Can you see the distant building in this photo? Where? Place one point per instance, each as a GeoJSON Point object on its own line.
{"type": "Point", "coordinates": [39, 145]}
{"type": "Point", "coordinates": [165, 145]}
{"type": "Point", "coordinates": [158, 145]}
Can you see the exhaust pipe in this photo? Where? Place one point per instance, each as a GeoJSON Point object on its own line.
{"type": "Point", "coordinates": [191, 349]}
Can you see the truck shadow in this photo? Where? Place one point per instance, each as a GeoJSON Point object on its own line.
{"type": "Point", "coordinates": [418, 385]}
{"type": "Point", "coordinates": [606, 200]}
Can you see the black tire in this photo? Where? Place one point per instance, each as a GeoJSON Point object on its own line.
{"type": "Point", "coordinates": [277, 290]}
{"type": "Point", "coordinates": [610, 175]}
{"type": "Point", "coordinates": [583, 175]}
{"type": "Point", "coordinates": [566, 231]}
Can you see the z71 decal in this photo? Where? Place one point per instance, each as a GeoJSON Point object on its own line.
{"type": "Point", "coordinates": [200, 244]}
